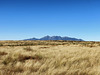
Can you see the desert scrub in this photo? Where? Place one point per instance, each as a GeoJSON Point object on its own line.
{"type": "Point", "coordinates": [12, 70]}
{"type": "Point", "coordinates": [44, 47]}
{"type": "Point", "coordinates": [13, 58]}
{"type": "Point", "coordinates": [65, 59]}
{"type": "Point", "coordinates": [22, 58]}
{"type": "Point", "coordinates": [1, 44]}
{"type": "Point", "coordinates": [28, 49]}
{"type": "Point", "coordinates": [8, 60]}
{"type": "Point", "coordinates": [3, 53]}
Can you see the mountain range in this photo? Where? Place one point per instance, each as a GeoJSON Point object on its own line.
{"type": "Point", "coordinates": [56, 38]}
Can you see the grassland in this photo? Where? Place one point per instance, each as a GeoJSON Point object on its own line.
{"type": "Point", "coordinates": [49, 58]}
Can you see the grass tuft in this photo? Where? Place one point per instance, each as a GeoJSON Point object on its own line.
{"type": "Point", "coordinates": [28, 49]}
{"type": "Point", "coordinates": [3, 53]}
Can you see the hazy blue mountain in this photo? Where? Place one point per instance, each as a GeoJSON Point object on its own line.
{"type": "Point", "coordinates": [56, 38]}
{"type": "Point", "coordinates": [32, 39]}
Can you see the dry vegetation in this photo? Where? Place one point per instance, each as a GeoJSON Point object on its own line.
{"type": "Point", "coordinates": [49, 58]}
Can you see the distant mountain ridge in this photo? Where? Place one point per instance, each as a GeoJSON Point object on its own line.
{"type": "Point", "coordinates": [56, 38]}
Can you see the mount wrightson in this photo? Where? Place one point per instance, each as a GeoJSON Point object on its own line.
{"type": "Point", "coordinates": [56, 38]}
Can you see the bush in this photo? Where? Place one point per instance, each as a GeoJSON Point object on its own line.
{"type": "Point", "coordinates": [3, 53]}
{"type": "Point", "coordinates": [28, 49]}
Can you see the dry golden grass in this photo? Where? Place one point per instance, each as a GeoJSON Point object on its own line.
{"type": "Point", "coordinates": [49, 58]}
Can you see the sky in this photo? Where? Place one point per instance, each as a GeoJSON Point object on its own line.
{"type": "Point", "coordinates": [23, 19]}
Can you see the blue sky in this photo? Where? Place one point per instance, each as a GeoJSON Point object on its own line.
{"type": "Point", "coordinates": [22, 19]}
